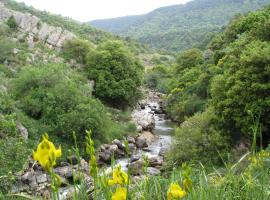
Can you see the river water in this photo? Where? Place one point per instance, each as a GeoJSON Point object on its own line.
{"type": "Point", "coordinates": [163, 132]}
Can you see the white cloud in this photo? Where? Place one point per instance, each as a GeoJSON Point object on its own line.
{"type": "Point", "coordinates": [86, 10]}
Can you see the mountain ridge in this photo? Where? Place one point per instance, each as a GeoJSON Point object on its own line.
{"type": "Point", "coordinates": [179, 27]}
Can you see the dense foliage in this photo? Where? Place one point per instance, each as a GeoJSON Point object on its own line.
{"type": "Point", "coordinates": [182, 26]}
{"type": "Point", "coordinates": [117, 74]}
{"type": "Point", "coordinates": [228, 83]}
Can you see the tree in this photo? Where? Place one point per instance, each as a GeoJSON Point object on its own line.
{"type": "Point", "coordinates": [59, 98]}
{"type": "Point", "coordinates": [244, 88]}
{"type": "Point", "coordinates": [188, 59]}
{"type": "Point", "coordinates": [117, 74]}
{"type": "Point", "coordinates": [77, 49]}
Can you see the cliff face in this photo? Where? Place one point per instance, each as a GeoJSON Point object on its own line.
{"type": "Point", "coordinates": [33, 27]}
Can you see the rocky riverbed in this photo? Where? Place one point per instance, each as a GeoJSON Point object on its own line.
{"type": "Point", "coordinates": [152, 141]}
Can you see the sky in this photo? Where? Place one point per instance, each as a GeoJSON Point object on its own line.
{"type": "Point", "coordinates": [87, 10]}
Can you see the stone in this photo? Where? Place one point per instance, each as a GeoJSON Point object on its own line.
{"type": "Point", "coordinates": [105, 156]}
{"type": "Point", "coordinates": [118, 143]}
{"type": "Point", "coordinates": [23, 131]}
{"type": "Point", "coordinates": [143, 119]}
{"type": "Point", "coordinates": [153, 171]}
{"type": "Point", "coordinates": [103, 147]}
{"type": "Point", "coordinates": [136, 168]}
{"type": "Point", "coordinates": [42, 178]}
{"type": "Point", "coordinates": [141, 142]}
{"type": "Point", "coordinates": [65, 171]}
{"type": "Point", "coordinates": [155, 161]}
{"type": "Point", "coordinates": [130, 139]}
{"type": "Point", "coordinates": [31, 25]}
{"type": "Point", "coordinates": [145, 139]}
{"type": "Point", "coordinates": [134, 158]}
{"type": "Point", "coordinates": [113, 148]}
{"type": "Point", "coordinates": [27, 177]}
{"type": "Point", "coordinates": [132, 147]}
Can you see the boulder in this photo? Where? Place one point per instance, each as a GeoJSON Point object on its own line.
{"type": "Point", "coordinates": [155, 161]}
{"type": "Point", "coordinates": [151, 171]}
{"type": "Point", "coordinates": [136, 168]}
{"type": "Point", "coordinates": [130, 139]}
{"type": "Point", "coordinates": [105, 156]}
{"type": "Point", "coordinates": [145, 139]}
{"type": "Point", "coordinates": [118, 143]}
{"type": "Point", "coordinates": [113, 149]}
{"type": "Point", "coordinates": [65, 171]}
{"type": "Point", "coordinates": [143, 119]}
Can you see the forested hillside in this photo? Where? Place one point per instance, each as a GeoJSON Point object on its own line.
{"type": "Point", "coordinates": [180, 27]}
{"type": "Point", "coordinates": [87, 115]}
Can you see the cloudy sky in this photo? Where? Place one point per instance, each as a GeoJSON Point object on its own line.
{"type": "Point", "coordinates": [86, 10]}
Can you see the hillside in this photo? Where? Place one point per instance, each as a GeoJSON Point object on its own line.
{"type": "Point", "coordinates": [179, 27]}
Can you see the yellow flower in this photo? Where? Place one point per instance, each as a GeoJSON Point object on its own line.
{"type": "Point", "coordinates": [187, 183]}
{"type": "Point", "coordinates": [46, 153]}
{"type": "Point", "coordinates": [120, 194]}
{"type": "Point", "coordinates": [175, 192]}
{"type": "Point", "coordinates": [119, 177]}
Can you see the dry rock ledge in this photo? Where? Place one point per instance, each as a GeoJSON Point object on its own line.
{"type": "Point", "coordinates": [33, 180]}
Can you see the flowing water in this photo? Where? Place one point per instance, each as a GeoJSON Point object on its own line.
{"type": "Point", "coordinates": [163, 131]}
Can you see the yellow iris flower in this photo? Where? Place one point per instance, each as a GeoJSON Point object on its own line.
{"type": "Point", "coordinates": [175, 192]}
{"type": "Point", "coordinates": [120, 194]}
{"type": "Point", "coordinates": [119, 177]}
{"type": "Point", "coordinates": [46, 153]}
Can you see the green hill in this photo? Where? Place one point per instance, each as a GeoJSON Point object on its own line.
{"type": "Point", "coordinates": [180, 27]}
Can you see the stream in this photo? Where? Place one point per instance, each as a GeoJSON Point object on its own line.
{"type": "Point", "coordinates": [163, 131]}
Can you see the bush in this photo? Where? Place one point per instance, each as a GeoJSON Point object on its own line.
{"type": "Point", "coordinates": [14, 153]}
{"type": "Point", "coordinates": [6, 49]}
{"type": "Point", "coordinates": [11, 22]}
{"type": "Point", "coordinates": [8, 125]}
{"type": "Point", "coordinates": [244, 87]}
{"type": "Point", "coordinates": [59, 98]}
{"type": "Point", "coordinates": [77, 49]}
{"type": "Point", "coordinates": [117, 74]}
{"type": "Point", "coordinates": [188, 59]}
{"type": "Point", "coordinates": [197, 139]}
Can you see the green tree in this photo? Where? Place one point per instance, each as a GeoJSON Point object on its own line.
{"type": "Point", "coordinates": [188, 59]}
{"type": "Point", "coordinates": [244, 87]}
{"type": "Point", "coordinates": [77, 49]}
{"type": "Point", "coordinates": [117, 74]}
{"type": "Point", "coordinates": [59, 98]}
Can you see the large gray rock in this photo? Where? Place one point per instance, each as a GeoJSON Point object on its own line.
{"type": "Point", "coordinates": [145, 139]}
{"type": "Point", "coordinates": [143, 120]}
{"type": "Point", "coordinates": [136, 168]}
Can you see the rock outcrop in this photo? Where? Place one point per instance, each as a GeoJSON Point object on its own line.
{"type": "Point", "coordinates": [34, 28]}
{"type": "Point", "coordinates": [36, 182]}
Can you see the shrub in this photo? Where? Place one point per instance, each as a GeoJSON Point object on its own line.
{"type": "Point", "coordinates": [11, 22]}
{"type": "Point", "coordinates": [6, 49]}
{"type": "Point", "coordinates": [244, 87]}
{"type": "Point", "coordinates": [14, 153]}
{"type": "Point", "coordinates": [197, 139]}
{"type": "Point", "coordinates": [117, 74]}
{"type": "Point", "coordinates": [57, 97]}
{"type": "Point", "coordinates": [8, 125]}
{"type": "Point", "coordinates": [77, 49]}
